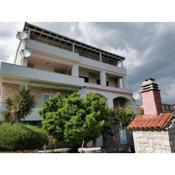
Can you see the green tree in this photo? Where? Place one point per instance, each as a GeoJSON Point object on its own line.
{"type": "Point", "coordinates": [119, 118]}
{"type": "Point", "coordinates": [51, 105]}
{"type": "Point", "coordinates": [122, 116]}
{"type": "Point", "coordinates": [20, 106]}
{"type": "Point", "coordinates": [76, 119]}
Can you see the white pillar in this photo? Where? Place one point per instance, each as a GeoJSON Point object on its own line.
{"type": "Point", "coordinates": [75, 70]}
{"type": "Point", "coordinates": [103, 78]}
{"type": "Point", "coordinates": [125, 82]}
{"type": "Point", "coordinates": [110, 103]}
{"type": "Point", "coordinates": [121, 82]}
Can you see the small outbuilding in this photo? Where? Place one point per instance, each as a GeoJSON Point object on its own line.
{"type": "Point", "coordinates": [153, 132]}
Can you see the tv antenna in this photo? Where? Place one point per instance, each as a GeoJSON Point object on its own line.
{"type": "Point", "coordinates": [22, 35]}
{"type": "Point", "coordinates": [136, 96]}
{"type": "Point", "coordinates": [25, 53]}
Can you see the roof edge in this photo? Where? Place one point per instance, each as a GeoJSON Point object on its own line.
{"type": "Point", "coordinates": [75, 41]}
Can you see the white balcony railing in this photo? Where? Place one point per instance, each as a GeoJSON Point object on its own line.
{"type": "Point", "coordinates": [47, 49]}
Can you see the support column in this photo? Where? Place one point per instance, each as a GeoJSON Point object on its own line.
{"type": "Point", "coordinates": [75, 70]}
{"type": "Point", "coordinates": [103, 78]}
{"type": "Point", "coordinates": [125, 82]}
{"type": "Point", "coordinates": [121, 82]}
{"type": "Point", "coordinates": [110, 103]}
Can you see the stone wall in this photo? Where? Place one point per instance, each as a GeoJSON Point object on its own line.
{"type": "Point", "coordinates": [171, 133]}
{"type": "Point", "coordinates": [38, 92]}
{"type": "Point", "coordinates": [152, 141]}
{"type": "Point", "coordinates": [8, 90]}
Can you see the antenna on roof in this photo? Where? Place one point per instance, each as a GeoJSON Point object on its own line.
{"type": "Point", "coordinates": [21, 35]}
{"type": "Point", "coordinates": [25, 53]}
{"type": "Point", "coordinates": [136, 96]}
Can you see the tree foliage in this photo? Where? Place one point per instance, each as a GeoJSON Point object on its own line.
{"type": "Point", "coordinates": [122, 116]}
{"type": "Point", "coordinates": [74, 118]}
{"type": "Point", "coordinates": [20, 106]}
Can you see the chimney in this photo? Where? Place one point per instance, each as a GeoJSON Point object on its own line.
{"type": "Point", "coordinates": [152, 103]}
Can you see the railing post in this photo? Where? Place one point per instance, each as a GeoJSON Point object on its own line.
{"type": "Point", "coordinates": [73, 48]}
{"type": "Point", "coordinates": [100, 57]}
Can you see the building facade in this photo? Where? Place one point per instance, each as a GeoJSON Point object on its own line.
{"type": "Point", "coordinates": [56, 63]}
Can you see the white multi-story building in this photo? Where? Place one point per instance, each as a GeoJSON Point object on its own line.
{"type": "Point", "coordinates": [61, 64]}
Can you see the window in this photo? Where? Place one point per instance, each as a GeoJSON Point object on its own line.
{"type": "Point", "coordinates": [86, 79]}
{"type": "Point", "coordinates": [107, 83]}
{"type": "Point", "coordinates": [123, 136]}
{"type": "Point", "coordinates": [46, 97]}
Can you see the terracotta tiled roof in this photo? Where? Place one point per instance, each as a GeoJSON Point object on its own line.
{"type": "Point", "coordinates": [151, 121]}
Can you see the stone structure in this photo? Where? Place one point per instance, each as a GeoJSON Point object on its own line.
{"type": "Point", "coordinates": [153, 132]}
{"type": "Point", "coordinates": [154, 141]}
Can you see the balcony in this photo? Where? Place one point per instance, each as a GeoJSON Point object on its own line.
{"type": "Point", "coordinates": [25, 73]}
{"type": "Point", "coordinates": [59, 54]}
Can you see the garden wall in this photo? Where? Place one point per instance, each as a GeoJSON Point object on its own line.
{"type": "Point", "coordinates": [153, 141]}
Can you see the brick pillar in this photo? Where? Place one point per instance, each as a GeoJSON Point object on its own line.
{"type": "Point", "coordinates": [151, 98]}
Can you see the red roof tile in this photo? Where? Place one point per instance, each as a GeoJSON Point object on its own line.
{"type": "Point", "coordinates": [151, 121]}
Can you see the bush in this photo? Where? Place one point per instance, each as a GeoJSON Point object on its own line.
{"type": "Point", "coordinates": [21, 137]}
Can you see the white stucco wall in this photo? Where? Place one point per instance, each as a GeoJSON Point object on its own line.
{"type": "Point", "coordinates": [108, 95]}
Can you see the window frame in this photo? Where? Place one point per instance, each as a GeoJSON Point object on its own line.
{"type": "Point", "coordinates": [49, 94]}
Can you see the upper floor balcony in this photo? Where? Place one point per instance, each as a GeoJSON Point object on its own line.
{"type": "Point", "coordinates": [53, 54]}
{"type": "Point", "coordinates": [65, 48]}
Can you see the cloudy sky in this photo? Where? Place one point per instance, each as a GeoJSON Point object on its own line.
{"type": "Point", "coordinates": [149, 48]}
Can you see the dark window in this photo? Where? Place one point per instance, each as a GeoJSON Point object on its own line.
{"type": "Point", "coordinates": [98, 81]}
{"type": "Point", "coordinates": [86, 79]}
{"type": "Point", "coordinates": [107, 83]}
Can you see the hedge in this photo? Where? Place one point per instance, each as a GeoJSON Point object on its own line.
{"type": "Point", "coordinates": [21, 137]}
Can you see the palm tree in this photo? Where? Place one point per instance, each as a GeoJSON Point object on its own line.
{"type": "Point", "coordinates": [20, 106]}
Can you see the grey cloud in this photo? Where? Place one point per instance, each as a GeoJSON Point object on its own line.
{"type": "Point", "coordinates": [149, 48]}
{"type": "Point", "coordinates": [153, 45]}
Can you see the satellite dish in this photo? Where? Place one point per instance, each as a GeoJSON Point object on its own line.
{"type": "Point", "coordinates": [136, 96]}
{"type": "Point", "coordinates": [25, 53]}
{"type": "Point", "coordinates": [21, 35]}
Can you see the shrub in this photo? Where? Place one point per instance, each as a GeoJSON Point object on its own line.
{"type": "Point", "coordinates": [21, 137]}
